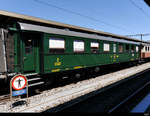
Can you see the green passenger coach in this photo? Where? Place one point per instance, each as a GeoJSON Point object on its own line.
{"type": "Point", "coordinates": [47, 50]}
{"type": "Point", "coordinates": [32, 46]}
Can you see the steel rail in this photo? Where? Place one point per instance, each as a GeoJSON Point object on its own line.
{"type": "Point", "coordinates": [5, 98]}
{"type": "Point", "coordinates": [131, 96]}
{"type": "Point", "coordinates": [29, 107]}
{"type": "Point", "coordinates": [140, 73]}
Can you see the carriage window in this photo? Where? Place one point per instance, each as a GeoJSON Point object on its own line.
{"type": "Point", "coordinates": [78, 46]}
{"type": "Point", "coordinates": [94, 47]}
{"type": "Point", "coordinates": [114, 48]}
{"type": "Point", "coordinates": [120, 48]}
{"type": "Point", "coordinates": [145, 48]}
{"type": "Point", "coordinates": [28, 46]}
{"type": "Point", "coordinates": [137, 49]}
{"type": "Point", "coordinates": [132, 48]}
{"type": "Point", "coordinates": [106, 47]}
{"type": "Point", "coordinates": [56, 45]}
{"type": "Point", "coordinates": [127, 49]}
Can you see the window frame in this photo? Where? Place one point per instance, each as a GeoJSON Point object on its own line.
{"type": "Point", "coordinates": [127, 50]}
{"type": "Point", "coordinates": [137, 50]}
{"type": "Point", "coordinates": [115, 47]}
{"type": "Point", "coordinates": [26, 47]}
{"type": "Point", "coordinates": [132, 46]}
{"type": "Point", "coordinates": [78, 52]}
{"type": "Point", "coordinates": [120, 44]}
{"type": "Point", "coordinates": [57, 52]}
{"type": "Point", "coordinates": [104, 43]}
{"type": "Point", "coordinates": [98, 48]}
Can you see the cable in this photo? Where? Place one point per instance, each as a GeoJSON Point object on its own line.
{"type": "Point", "coordinates": [139, 35]}
{"type": "Point", "coordinates": [147, 15]}
{"type": "Point", "coordinates": [76, 13]}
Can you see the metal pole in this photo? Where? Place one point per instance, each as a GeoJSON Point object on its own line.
{"type": "Point", "coordinates": [141, 47]}
{"type": "Point", "coordinates": [4, 47]}
{"type": "Point", "coordinates": [11, 91]}
{"type": "Point", "coordinates": [27, 92]}
{"type": "Point", "coordinates": [141, 37]}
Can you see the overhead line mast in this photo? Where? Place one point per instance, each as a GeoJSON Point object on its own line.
{"type": "Point", "coordinates": [141, 35]}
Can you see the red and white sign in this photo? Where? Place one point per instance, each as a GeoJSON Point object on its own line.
{"type": "Point", "coordinates": [19, 82]}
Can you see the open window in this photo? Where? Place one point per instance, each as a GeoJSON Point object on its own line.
{"type": "Point", "coordinates": [147, 48]}
{"type": "Point", "coordinates": [127, 48]}
{"type": "Point", "coordinates": [120, 47]}
{"type": "Point", "coordinates": [56, 45]}
{"type": "Point", "coordinates": [94, 47]}
{"type": "Point", "coordinates": [132, 48]}
{"type": "Point", "coordinates": [28, 46]}
{"type": "Point", "coordinates": [78, 46]}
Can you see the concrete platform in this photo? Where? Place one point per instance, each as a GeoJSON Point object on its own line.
{"type": "Point", "coordinates": [50, 99]}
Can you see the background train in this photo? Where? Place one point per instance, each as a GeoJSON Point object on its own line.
{"type": "Point", "coordinates": [37, 48]}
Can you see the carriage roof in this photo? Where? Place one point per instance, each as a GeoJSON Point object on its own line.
{"type": "Point", "coordinates": [9, 17]}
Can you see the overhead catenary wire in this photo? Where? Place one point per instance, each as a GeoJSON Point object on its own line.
{"type": "Point", "coordinates": [134, 4]}
{"type": "Point", "coordinates": [81, 15]}
{"type": "Point", "coordinates": [141, 35]}
{"type": "Point", "coordinates": [147, 34]}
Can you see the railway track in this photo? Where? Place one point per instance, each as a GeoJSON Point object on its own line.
{"type": "Point", "coordinates": [37, 86]}
{"type": "Point", "coordinates": [121, 107]}
{"type": "Point", "coordinates": [110, 100]}
{"type": "Point", "coordinates": [52, 98]}
{"type": "Point", "coordinates": [6, 98]}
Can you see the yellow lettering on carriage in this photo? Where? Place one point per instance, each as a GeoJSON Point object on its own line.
{"type": "Point", "coordinates": [57, 63]}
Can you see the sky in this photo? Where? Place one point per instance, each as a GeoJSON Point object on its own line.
{"type": "Point", "coordinates": [122, 17]}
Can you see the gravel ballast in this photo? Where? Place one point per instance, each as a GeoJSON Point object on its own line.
{"type": "Point", "coordinates": [56, 96]}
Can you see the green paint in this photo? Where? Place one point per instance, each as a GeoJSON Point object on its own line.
{"type": "Point", "coordinates": [66, 61]}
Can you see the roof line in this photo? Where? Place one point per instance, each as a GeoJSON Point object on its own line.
{"type": "Point", "coordinates": [49, 22]}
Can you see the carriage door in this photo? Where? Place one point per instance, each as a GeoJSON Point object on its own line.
{"type": "Point", "coordinates": [30, 52]}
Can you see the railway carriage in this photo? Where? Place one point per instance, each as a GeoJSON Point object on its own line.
{"type": "Point", "coordinates": [145, 51]}
{"type": "Point", "coordinates": [32, 46]}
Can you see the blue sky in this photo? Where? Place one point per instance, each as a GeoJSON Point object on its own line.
{"type": "Point", "coordinates": [123, 17]}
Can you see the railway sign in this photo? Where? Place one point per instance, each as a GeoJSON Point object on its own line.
{"type": "Point", "coordinates": [20, 92]}
{"type": "Point", "coordinates": [19, 84]}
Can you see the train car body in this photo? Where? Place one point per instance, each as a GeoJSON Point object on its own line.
{"type": "Point", "coordinates": [6, 53]}
{"type": "Point", "coordinates": [145, 51]}
{"type": "Point", "coordinates": [33, 48]}
{"type": "Point", "coordinates": [67, 50]}
{"type": "Point", "coordinates": [39, 49]}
